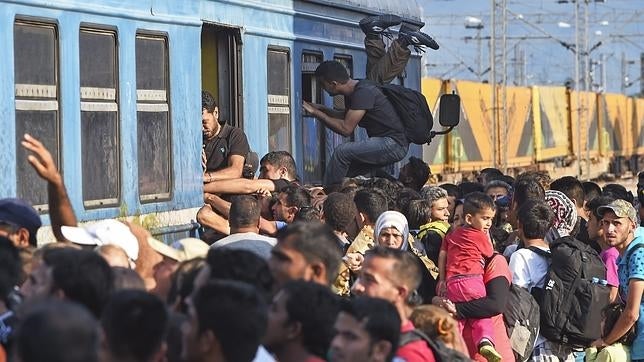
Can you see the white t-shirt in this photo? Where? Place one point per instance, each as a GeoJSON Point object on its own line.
{"type": "Point", "coordinates": [528, 268]}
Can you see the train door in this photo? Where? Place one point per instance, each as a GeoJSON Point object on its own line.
{"type": "Point", "coordinates": [221, 70]}
{"type": "Point", "coordinates": [313, 130]}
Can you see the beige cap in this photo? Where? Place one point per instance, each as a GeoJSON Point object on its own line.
{"type": "Point", "coordinates": [180, 250]}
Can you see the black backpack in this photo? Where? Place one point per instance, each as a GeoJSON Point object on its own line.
{"type": "Point", "coordinates": [522, 318]}
{"type": "Point", "coordinates": [571, 303]}
{"type": "Point", "coordinates": [413, 111]}
{"type": "Point", "coordinates": [442, 353]}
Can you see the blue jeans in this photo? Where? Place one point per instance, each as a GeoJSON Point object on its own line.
{"type": "Point", "coordinates": [370, 153]}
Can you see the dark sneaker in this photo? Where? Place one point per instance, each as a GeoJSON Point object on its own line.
{"type": "Point", "coordinates": [378, 24]}
{"type": "Point", "coordinates": [418, 39]}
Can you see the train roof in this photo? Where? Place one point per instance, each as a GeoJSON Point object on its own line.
{"type": "Point", "coordinates": [407, 9]}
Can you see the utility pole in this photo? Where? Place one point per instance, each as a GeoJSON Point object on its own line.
{"type": "Point", "coordinates": [493, 81]}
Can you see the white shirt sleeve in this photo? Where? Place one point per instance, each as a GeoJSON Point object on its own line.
{"type": "Point", "coordinates": [520, 272]}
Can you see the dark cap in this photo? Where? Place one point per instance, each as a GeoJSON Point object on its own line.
{"type": "Point", "coordinates": [20, 213]}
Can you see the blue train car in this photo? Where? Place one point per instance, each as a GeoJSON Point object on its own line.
{"type": "Point", "coordinates": [112, 88]}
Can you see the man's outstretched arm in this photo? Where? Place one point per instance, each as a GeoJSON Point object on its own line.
{"type": "Point", "coordinates": [60, 208]}
{"type": "Point", "coordinates": [239, 186]}
{"type": "Point", "coordinates": [344, 126]}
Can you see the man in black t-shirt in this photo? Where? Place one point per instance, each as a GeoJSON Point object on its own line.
{"type": "Point", "coordinates": [367, 107]}
{"type": "Point", "coordinates": [224, 147]}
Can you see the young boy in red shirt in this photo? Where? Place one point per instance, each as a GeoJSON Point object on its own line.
{"type": "Point", "coordinates": [462, 262]}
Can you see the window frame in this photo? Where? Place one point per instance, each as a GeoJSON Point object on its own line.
{"type": "Point", "coordinates": [101, 103]}
{"type": "Point", "coordinates": [34, 97]}
{"type": "Point", "coordinates": [277, 105]}
{"type": "Point", "coordinates": [317, 95]}
{"type": "Point", "coordinates": [150, 101]}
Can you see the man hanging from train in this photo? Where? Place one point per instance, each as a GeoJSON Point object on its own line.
{"type": "Point", "coordinates": [366, 106]}
{"type": "Point", "coordinates": [385, 64]}
{"type": "Point", "coordinates": [224, 147]}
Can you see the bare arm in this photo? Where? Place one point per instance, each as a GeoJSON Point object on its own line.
{"type": "Point", "coordinates": [442, 258]}
{"type": "Point", "coordinates": [344, 126]}
{"type": "Point", "coordinates": [233, 170]}
{"type": "Point", "coordinates": [238, 186]}
{"type": "Point", "coordinates": [207, 217]}
{"type": "Point", "coordinates": [218, 204]}
{"type": "Point", "coordinates": [60, 208]}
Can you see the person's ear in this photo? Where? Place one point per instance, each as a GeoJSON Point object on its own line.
{"type": "Point", "coordinates": [468, 219]}
{"type": "Point", "coordinates": [293, 330]}
{"type": "Point", "coordinates": [443, 327]}
{"type": "Point", "coordinates": [23, 238]}
{"type": "Point", "coordinates": [380, 350]}
{"type": "Point", "coordinates": [319, 273]}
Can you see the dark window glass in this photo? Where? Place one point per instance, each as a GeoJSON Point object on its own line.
{"type": "Point", "coordinates": [97, 59]}
{"type": "Point", "coordinates": [153, 151]}
{"type": "Point", "coordinates": [43, 126]}
{"type": "Point", "coordinates": [313, 130]}
{"type": "Point", "coordinates": [35, 53]}
{"type": "Point", "coordinates": [279, 109]}
{"type": "Point", "coordinates": [151, 62]}
{"type": "Point", "coordinates": [100, 146]}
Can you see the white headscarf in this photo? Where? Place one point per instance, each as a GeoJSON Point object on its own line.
{"type": "Point", "coordinates": [396, 220]}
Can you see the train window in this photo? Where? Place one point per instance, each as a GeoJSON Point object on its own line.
{"type": "Point", "coordinates": [313, 131]}
{"type": "Point", "coordinates": [37, 102]}
{"type": "Point", "coordinates": [99, 117]}
{"type": "Point", "coordinates": [279, 95]}
{"type": "Point", "coordinates": [153, 120]}
{"type": "Point", "coordinates": [221, 70]}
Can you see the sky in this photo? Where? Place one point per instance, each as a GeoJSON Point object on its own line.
{"type": "Point", "coordinates": [540, 41]}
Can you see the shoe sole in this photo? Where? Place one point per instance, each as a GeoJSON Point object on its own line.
{"type": "Point", "coordinates": [490, 354]}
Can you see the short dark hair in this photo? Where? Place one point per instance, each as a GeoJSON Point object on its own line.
{"type": "Point", "coordinates": [378, 317]}
{"type": "Point", "coordinates": [535, 218]}
{"type": "Point", "coordinates": [371, 203]}
{"type": "Point", "coordinates": [489, 174]}
{"type": "Point", "coordinates": [244, 211]}
{"type": "Point", "coordinates": [406, 269]}
{"type": "Point", "coordinates": [419, 172]}
{"type": "Point", "coordinates": [332, 71]}
{"type": "Point", "coordinates": [84, 276]}
{"type": "Point", "coordinates": [56, 330]}
{"type": "Point", "coordinates": [135, 324]}
{"type": "Point", "coordinates": [316, 242]}
{"type": "Point", "coordinates": [591, 190]}
{"type": "Point", "coordinates": [10, 267]}
{"type": "Point", "coordinates": [281, 159]}
{"type": "Point", "coordinates": [526, 189]}
{"type": "Point", "coordinates": [541, 177]}
{"type": "Point", "coordinates": [405, 196]}
{"type": "Point", "coordinates": [571, 187]}
{"type": "Point", "coordinates": [452, 190]}
{"type": "Point", "coordinates": [296, 196]}
{"type": "Point", "coordinates": [619, 192]}
{"type": "Point", "coordinates": [315, 307]}
{"type": "Point", "coordinates": [126, 278]}
{"type": "Point", "coordinates": [477, 202]}
{"type": "Point", "coordinates": [307, 214]}
{"type": "Point", "coordinates": [243, 266]}
{"type": "Point", "coordinates": [182, 282]}
{"type": "Point", "coordinates": [419, 213]}
{"type": "Point", "coordinates": [598, 201]}
{"type": "Point", "coordinates": [208, 102]}
{"type": "Point", "coordinates": [236, 315]}
{"type": "Point", "coordinates": [339, 211]}
{"type": "Point", "coordinates": [467, 187]}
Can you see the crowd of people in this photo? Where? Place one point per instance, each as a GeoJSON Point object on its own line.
{"type": "Point", "coordinates": [364, 269]}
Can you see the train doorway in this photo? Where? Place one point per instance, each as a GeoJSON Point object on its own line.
{"type": "Point", "coordinates": [221, 70]}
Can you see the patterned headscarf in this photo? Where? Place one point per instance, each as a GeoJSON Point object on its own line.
{"type": "Point", "coordinates": [396, 220]}
{"type": "Point", "coordinates": [565, 215]}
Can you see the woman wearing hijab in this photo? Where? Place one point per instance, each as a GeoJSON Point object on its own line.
{"type": "Point", "coordinates": [392, 231]}
{"type": "Point", "coordinates": [565, 215]}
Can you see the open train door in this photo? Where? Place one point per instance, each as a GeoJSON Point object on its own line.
{"type": "Point", "coordinates": [221, 70]}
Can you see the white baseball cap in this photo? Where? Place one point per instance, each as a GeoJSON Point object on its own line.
{"type": "Point", "coordinates": [104, 232]}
